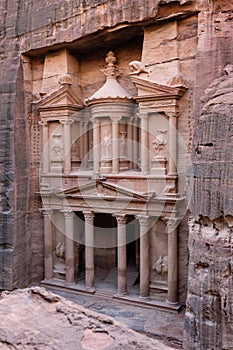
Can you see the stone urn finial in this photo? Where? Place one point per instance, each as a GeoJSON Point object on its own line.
{"type": "Point", "coordinates": [110, 59]}
{"type": "Point", "coordinates": [110, 70]}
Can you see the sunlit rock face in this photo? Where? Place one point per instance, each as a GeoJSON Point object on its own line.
{"type": "Point", "coordinates": [209, 318]}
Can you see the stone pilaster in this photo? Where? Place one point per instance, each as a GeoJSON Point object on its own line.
{"type": "Point", "coordinates": [172, 144]}
{"type": "Point", "coordinates": [144, 142]}
{"type": "Point", "coordinates": [89, 250]}
{"type": "Point", "coordinates": [48, 243]}
{"type": "Point", "coordinates": [121, 255]}
{"type": "Point", "coordinates": [85, 145]}
{"type": "Point", "coordinates": [69, 244]}
{"type": "Point", "coordinates": [172, 261]}
{"type": "Point", "coordinates": [130, 127]}
{"type": "Point", "coordinates": [115, 144]}
{"type": "Point", "coordinates": [67, 144]}
{"type": "Point", "coordinates": [144, 257]}
{"type": "Point", "coordinates": [96, 144]}
{"type": "Point", "coordinates": [135, 143]}
{"type": "Point", "coordinates": [45, 136]}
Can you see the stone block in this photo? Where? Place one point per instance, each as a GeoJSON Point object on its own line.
{"type": "Point", "coordinates": [159, 43]}
{"type": "Point", "coordinates": [162, 73]}
{"type": "Point", "coordinates": [187, 28]}
{"type": "Point", "coordinates": [187, 48]}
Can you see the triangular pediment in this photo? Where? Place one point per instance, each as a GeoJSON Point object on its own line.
{"type": "Point", "coordinates": [150, 88]}
{"type": "Point", "coordinates": [100, 188]}
{"type": "Point", "coordinates": [64, 97]}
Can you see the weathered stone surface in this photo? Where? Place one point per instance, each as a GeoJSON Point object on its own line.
{"type": "Point", "coordinates": [208, 320]}
{"type": "Point", "coordinates": [209, 317]}
{"type": "Point", "coordinates": [36, 319]}
{"type": "Point", "coordinates": [213, 160]}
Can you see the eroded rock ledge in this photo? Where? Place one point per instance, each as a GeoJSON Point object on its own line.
{"type": "Point", "coordinates": [33, 318]}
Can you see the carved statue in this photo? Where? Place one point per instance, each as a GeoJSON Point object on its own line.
{"type": "Point", "coordinates": [160, 140]}
{"type": "Point", "coordinates": [60, 251]}
{"type": "Point", "coordinates": [106, 147]}
{"type": "Point", "coordinates": [122, 144]}
{"type": "Point", "coordinates": [57, 148]}
{"type": "Point", "coordinates": [137, 67]}
{"type": "Point", "coordinates": [161, 265]}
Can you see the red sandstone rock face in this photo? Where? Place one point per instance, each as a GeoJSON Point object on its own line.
{"type": "Point", "coordinates": [209, 316]}
{"type": "Point", "coordinates": [37, 319]}
{"type": "Point", "coordinates": [213, 157]}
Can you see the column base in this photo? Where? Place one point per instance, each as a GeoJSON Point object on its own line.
{"type": "Point", "coordinates": [90, 289]}
{"type": "Point", "coordinates": [69, 283]}
{"type": "Point", "coordinates": [172, 173]}
{"type": "Point", "coordinates": [120, 295]}
{"type": "Point", "coordinates": [172, 302]}
{"type": "Point", "coordinates": [144, 298]}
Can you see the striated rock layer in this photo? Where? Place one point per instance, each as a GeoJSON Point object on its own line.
{"type": "Point", "coordinates": [209, 314]}
{"type": "Point", "coordinates": [36, 319]}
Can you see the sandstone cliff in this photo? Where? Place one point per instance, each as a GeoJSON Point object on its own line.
{"type": "Point", "coordinates": [209, 315]}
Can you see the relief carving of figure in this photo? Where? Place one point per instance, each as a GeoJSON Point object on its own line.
{"type": "Point", "coordinates": [160, 140]}
{"type": "Point", "coordinates": [122, 144]}
{"type": "Point", "coordinates": [161, 265]}
{"type": "Point", "coordinates": [57, 148]}
{"type": "Point", "coordinates": [60, 251]}
{"type": "Point", "coordinates": [106, 147]}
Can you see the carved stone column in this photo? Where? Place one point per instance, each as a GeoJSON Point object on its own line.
{"type": "Point", "coordinates": [85, 145]}
{"type": "Point", "coordinates": [89, 250]}
{"type": "Point", "coordinates": [135, 143]}
{"type": "Point", "coordinates": [81, 127]}
{"type": "Point", "coordinates": [69, 244]}
{"type": "Point", "coordinates": [172, 261]}
{"type": "Point", "coordinates": [144, 143]}
{"type": "Point", "coordinates": [115, 144]}
{"type": "Point", "coordinates": [130, 127]}
{"type": "Point", "coordinates": [144, 257]}
{"type": "Point", "coordinates": [172, 144]}
{"type": "Point", "coordinates": [67, 144]}
{"type": "Point", "coordinates": [96, 144]}
{"type": "Point", "coordinates": [45, 133]}
{"type": "Point", "coordinates": [48, 243]}
{"type": "Point", "coordinates": [121, 255]}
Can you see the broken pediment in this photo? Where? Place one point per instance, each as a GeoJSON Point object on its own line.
{"type": "Point", "coordinates": [65, 97]}
{"type": "Point", "coordinates": [147, 88]}
{"type": "Point", "coordinates": [106, 189]}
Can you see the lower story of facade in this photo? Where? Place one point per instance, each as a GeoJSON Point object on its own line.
{"type": "Point", "coordinates": [126, 249]}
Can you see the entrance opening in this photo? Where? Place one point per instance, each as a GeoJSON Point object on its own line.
{"type": "Point", "coordinates": [105, 252]}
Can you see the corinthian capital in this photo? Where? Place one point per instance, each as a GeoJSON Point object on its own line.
{"type": "Point", "coordinates": [89, 216]}
{"type": "Point", "coordinates": [68, 214]}
{"type": "Point", "coordinates": [121, 219]}
{"type": "Point", "coordinates": [115, 118]}
{"type": "Point", "coordinates": [143, 220]}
